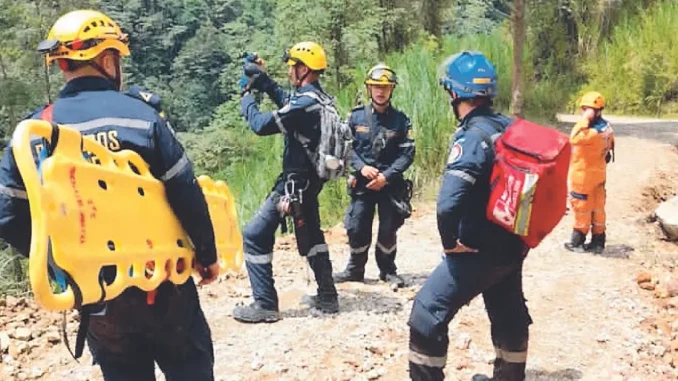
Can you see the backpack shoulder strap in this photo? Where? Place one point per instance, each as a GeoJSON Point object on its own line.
{"type": "Point", "coordinates": [323, 100]}
{"type": "Point", "coordinates": [489, 139]}
{"type": "Point", "coordinates": [368, 116]}
{"type": "Point", "coordinates": [46, 113]}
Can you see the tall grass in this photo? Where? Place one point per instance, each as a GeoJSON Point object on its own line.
{"type": "Point", "coordinates": [13, 270]}
{"type": "Point", "coordinates": [252, 175]}
{"type": "Point", "coordinates": [637, 70]}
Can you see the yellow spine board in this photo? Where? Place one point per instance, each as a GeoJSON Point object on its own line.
{"type": "Point", "coordinates": [108, 215]}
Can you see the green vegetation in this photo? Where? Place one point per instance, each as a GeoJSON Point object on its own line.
{"type": "Point", "coordinates": [188, 52]}
{"type": "Point", "coordinates": [637, 68]}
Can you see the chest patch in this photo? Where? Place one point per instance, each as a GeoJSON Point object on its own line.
{"type": "Point", "coordinates": [455, 153]}
{"type": "Point", "coordinates": [362, 129]}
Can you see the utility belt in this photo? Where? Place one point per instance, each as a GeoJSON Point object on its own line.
{"type": "Point", "coordinates": [94, 309]}
{"type": "Point", "coordinates": [290, 207]}
{"type": "Point", "coordinates": [399, 193]}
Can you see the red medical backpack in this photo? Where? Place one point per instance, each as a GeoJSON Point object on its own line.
{"type": "Point", "coordinates": [528, 185]}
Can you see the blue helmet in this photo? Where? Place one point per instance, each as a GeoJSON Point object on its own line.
{"type": "Point", "coordinates": [470, 74]}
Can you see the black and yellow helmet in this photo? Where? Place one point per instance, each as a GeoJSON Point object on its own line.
{"type": "Point", "coordinates": [381, 75]}
{"type": "Point", "coordinates": [82, 35]}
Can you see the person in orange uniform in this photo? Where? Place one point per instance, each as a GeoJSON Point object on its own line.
{"type": "Point", "coordinates": [592, 142]}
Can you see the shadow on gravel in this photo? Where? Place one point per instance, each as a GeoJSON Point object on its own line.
{"type": "Point", "coordinates": [416, 279]}
{"type": "Point", "coordinates": [617, 251]}
{"type": "Point", "coordinates": [411, 279]}
{"type": "Point", "coordinates": [560, 375]}
{"type": "Point", "coordinates": [377, 302]}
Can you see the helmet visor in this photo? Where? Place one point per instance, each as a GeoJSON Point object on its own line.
{"type": "Point", "coordinates": [382, 76]}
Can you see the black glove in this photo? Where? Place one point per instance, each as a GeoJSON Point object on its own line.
{"type": "Point", "coordinates": [255, 75]}
{"type": "Point", "coordinates": [251, 69]}
{"type": "Point", "coordinates": [608, 157]}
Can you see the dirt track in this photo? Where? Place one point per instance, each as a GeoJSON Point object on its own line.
{"type": "Point", "coordinates": [591, 320]}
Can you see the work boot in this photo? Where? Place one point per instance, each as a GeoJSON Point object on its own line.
{"type": "Point", "coordinates": [348, 276]}
{"type": "Point", "coordinates": [481, 377]}
{"type": "Point", "coordinates": [597, 244]}
{"type": "Point", "coordinates": [355, 269]}
{"type": "Point", "coordinates": [395, 280]}
{"type": "Point", "coordinates": [496, 373]}
{"type": "Point", "coordinates": [576, 243]}
{"type": "Point", "coordinates": [328, 304]}
{"type": "Point", "coordinates": [255, 313]}
{"type": "Point", "coordinates": [504, 371]}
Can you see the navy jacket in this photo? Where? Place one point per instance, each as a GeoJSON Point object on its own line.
{"type": "Point", "coordinates": [119, 121]}
{"type": "Point", "coordinates": [298, 118]}
{"type": "Point", "coordinates": [385, 143]}
{"type": "Point", "coordinates": [465, 190]}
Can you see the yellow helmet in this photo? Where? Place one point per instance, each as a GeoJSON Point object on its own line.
{"type": "Point", "coordinates": [593, 99]}
{"type": "Point", "coordinates": [82, 35]}
{"type": "Point", "coordinates": [381, 75]}
{"type": "Point", "coordinates": [308, 53]}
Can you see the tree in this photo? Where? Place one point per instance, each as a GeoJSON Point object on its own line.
{"type": "Point", "coordinates": [518, 20]}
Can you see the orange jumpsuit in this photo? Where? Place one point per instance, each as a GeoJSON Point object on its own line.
{"type": "Point", "coordinates": [591, 145]}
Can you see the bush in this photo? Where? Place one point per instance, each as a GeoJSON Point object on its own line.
{"type": "Point", "coordinates": [637, 70]}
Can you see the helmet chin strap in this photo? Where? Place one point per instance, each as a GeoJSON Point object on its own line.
{"type": "Point", "coordinates": [299, 81]}
{"type": "Point", "coordinates": [117, 81]}
{"type": "Point", "coordinates": [455, 105]}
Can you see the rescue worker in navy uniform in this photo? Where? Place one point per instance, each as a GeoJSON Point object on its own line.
{"type": "Point", "coordinates": [382, 152]}
{"type": "Point", "coordinates": [299, 120]}
{"type": "Point", "coordinates": [480, 257]}
{"type": "Point", "coordinates": [125, 335]}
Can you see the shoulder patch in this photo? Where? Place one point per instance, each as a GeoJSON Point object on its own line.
{"type": "Point", "coordinates": [147, 97]}
{"type": "Point", "coordinates": [455, 153]}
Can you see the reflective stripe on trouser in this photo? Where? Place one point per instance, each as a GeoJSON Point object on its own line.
{"type": "Point", "coordinates": [512, 357]}
{"type": "Point", "coordinates": [589, 210]}
{"type": "Point", "coordinates": [453, 284]}
{"type": "Point", "coordinates": [358, 223]}
{"type": "Point", "coordinates": [259, 239]}
{"type": "Point", "coordinates": [357, 260]}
